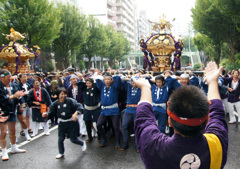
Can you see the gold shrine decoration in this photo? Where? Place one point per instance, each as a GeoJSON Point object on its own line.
{"type": "Point", "coordinates": [38, 51]}
{"type": "Point", "coordinates": [14, 51]}
{"type": "Point", "coordinates": [161, 45]}
{"type": "Point", "coordinates": [159, 48]}
{"type": "Point", "coordinates": [14, 35]}
{"type": "Point", "coordinates": [9, 53]}
{"type": "Point", "coordinates": [162, 25]}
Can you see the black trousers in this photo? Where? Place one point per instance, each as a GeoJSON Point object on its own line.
{"type": "Point", "coordinates": [115, 122]}
{"type": "Point", "coordinates": [89, 130]}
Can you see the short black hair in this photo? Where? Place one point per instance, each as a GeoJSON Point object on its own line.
{"type": "Point", "coordinates": [61, 89]}
{"type": "Point", "coordinates": [224, 71]}
{"type": "Point", "coordinates": [107, 74]}
{"type": "Point", "coordinates": [34, 80]}
{"type": "Point", "coordinates": [21, 74]}
{"type": "Point", "coordinates": [233, 71]}
{"type": "Point", "coordinates": [159, 77]}
{"type": "Point", "coordinates": [188, 102]}
{"type": "Point", "coordinates": [89, 80]}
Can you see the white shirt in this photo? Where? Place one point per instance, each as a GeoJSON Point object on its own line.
{"type": "Point", "coordinates": [25, 87]}
{"type": "Point", "coordinates": [9, 91]}
{"type": "Point", "coordinates": [74, 92]}
{"type": "Point", "coordinates": [234, 85]}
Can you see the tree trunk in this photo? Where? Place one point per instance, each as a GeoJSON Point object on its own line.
{"type": "Point", "coordinates": [29, 41]}
{"type": "Point", "coordinates": [89, 62]}
{"type": "Point", "coordinates": [232, 53]}
{"type": "Point", "coordinates": [219, 57]}
{"type": "Point", "coordinates": [65, 61]}
{"type": "Point", "coordinates": [101, 63]}
{"type": "Point", "coordinates": [111, 62]}
{"type": "Point", "coordinates": [231, 45]}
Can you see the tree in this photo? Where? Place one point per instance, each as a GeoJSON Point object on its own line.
{"type": "Point", "coordinates": [72, 35]}
{"type": "Point", "coordinates": [231, 8]}
{"type": "Point", "coordinates": [186, 44]}
{"type": "Point", "coordinates": [197, 66]}
{"type": "Point", "coordinates": [204, 43]}
{"type": "Point", "coordinates": [209, 20]}
{"type": "Point", "coordinates": [97, 40]}
{"type": "Point", "coordinates": [40, 20]}
{"type": "Point", "coordinates": [119, 47]}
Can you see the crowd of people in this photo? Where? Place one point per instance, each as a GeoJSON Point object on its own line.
{"type": "Point", "coordinates": [94, 103]}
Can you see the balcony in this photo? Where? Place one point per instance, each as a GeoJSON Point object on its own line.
{"type": "Point", "coordinates": [111, 13]}
{"type": "Point", "coordinates": [122, 12]}
{"type": "Point", "coordinates": [119, 20]}
{"type": "Point", "coordinates": [128, 4]}
{"type": "Point", "coordinates": [111, 21]}
{"type": "Point", "coordinates": [126, 8]}
{"type": "Point", "coordinates": [111, 2]}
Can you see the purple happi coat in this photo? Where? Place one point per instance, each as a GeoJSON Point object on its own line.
{"type": "Point", "coordinates": [160, 151]}
{"type": "Point", "coordinates": [79, 96]}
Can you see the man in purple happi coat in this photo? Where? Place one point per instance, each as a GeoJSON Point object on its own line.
{"type": "Point", "coordinates": [201, 133]}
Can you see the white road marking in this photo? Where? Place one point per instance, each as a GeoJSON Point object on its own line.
{"type": "Point", "coordinates": [34, 138]}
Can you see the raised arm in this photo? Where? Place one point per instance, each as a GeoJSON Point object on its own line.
{"type": "Point", "coordinates": [212, 74]}
{"type": "Point", "coordinates": [217, 124]}
{"type": "Point", "coordinates": [144, 85]}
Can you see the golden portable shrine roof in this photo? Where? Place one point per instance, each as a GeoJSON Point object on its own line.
{"type": "Point", "coordinates": [10, 51]}
{"type": "Point", "coordinates": [161, 44]}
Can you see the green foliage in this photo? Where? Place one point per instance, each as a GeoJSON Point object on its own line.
{"type": "Point", "coordinates": [227, 63]}
{"type": "Point", "coordinates": [72, 35]}
{"type": "Point", "coordinates": [81, 65]}
{"type": "Point", "coordinates": [40, 20]}
{"type": "Point", "coordinates": [49, 66]}
{"type": "Point", "coordinates": [106, 65]}
{"type": "Point", "coordinates": [186, 43]}
{"type": "Point", "coordinates": [197, 66]}
{"type": "Point", "coordinates": [230, 8]}
{"type": "Point", "coordinates": [204, 43]}
{"type": "Point", "coordinates": [61, 29]}
{"type": "Point", "coordinates": [97, 40]}
{"type": "Point", "coordinates": [116, 66]}
{"type": "Point", "coordinates": [210, 19]}
{"type": "Point", "coordinates": [119, 46]}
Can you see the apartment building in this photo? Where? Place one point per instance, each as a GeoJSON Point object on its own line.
{"type": "Point", "coordinates": [122, 15]}
{"type": "Point", "coordinates": [126, 20]}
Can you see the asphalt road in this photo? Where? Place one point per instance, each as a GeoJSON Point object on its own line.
{"type": "Point", "coordinates": [41, 153]}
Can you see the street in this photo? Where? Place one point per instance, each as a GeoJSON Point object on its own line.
{"type": "Point", "coordinates": [41, 153]}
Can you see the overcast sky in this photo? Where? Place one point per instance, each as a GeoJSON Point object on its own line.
{"type": "Point", "coordinates": [179, 9]}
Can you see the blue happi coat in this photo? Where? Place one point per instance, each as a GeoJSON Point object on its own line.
{"type": "Point", "coordinates": [133, 96]}
{"type": "Point", "coordinates": [162, 97]}
{"type": "Point", "coordinates": [109, 96]}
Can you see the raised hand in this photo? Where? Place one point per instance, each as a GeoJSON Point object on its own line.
{"type": "Point", "coordinates": [141, 83]}
{"type": "Point", "coordinates": [212, 72]}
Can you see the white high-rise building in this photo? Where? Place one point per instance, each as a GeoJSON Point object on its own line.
{"type": "Point", "coordinates": [104, 10]}
{"type": "Point", "coordinates": [122, 15]}
{"type": "Point", "coordinates": [117, 13]}
{"type": "Point", "coordinates": [180, 28]}
{"type": "Point", "coordinates": [126, 20]}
